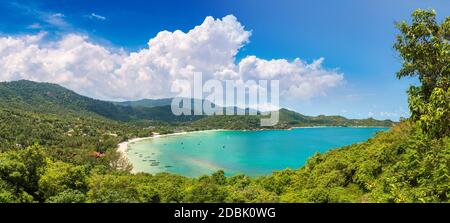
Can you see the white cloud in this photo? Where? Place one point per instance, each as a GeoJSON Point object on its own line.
{"type": "Point", "coordinates": [210, 48]}
{"type": "Point", "coordinates": [45, 19]}
{"type": "Point", "coordinates": [394, 114]}
{"type": "Point", "coordinates": [96, 16]}
{"type": "Point", "coordinates": [72, 62]}
{"type": "Point", "coordinates": [55, 19]}
{"type": "Point", "coordinates": [35, 26]}
{"type": "Point", "coordinates": [389, 114]}
{"type": "Point", "coordinates": [298, 79]}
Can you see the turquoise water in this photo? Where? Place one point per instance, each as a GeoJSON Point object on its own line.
{"type": "Point", "coordinates": [250, 152]}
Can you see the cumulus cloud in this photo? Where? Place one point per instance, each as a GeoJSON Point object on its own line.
{"type": "Point", "coordinates": [72, 62]}
{"type": "Point", "coordinates": [298, 79]}
{"type": "Point", "coordinates": [211, 48]}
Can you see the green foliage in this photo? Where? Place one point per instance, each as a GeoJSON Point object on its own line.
{"type": "Point", "coordinates": [293, 119]}
{"type": "Point", "coordinates": [207, 189]}
{"type": "Point", "coordinates": [69, 138]}
{"type": "Point", "coordinates": [68, 196]}
{"type": "Point", "coordinates": [23, 168]}
{"type": "Point", "coordinates": [433, 116]}
{"type": "Point", "coordinates": [62, 180]}
{"type": "Point", "coordinates": [146, 102]}
{"type": "Point", "coordinates": [287, 119]}
{"type": "Point", "coordinates": [7, 193]}
{"type": "Point", "coordinates": [425, 49]}
{"type": "Point", "coordinates": [401, 165]}
{"type": "Point", "coordinates": [117, 188]}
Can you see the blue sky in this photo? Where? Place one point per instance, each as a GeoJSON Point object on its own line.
{"type": "Point", "coordinates": [354, 37]}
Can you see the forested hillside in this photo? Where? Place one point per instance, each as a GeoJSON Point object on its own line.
{"type": "Point", "coordinates": [146, 102]}
{"type": "Point", "coordinates": [54, 99]}
{"type": "Point", "coordinates": [401, 165]}
{"type": "Point", "coordinates": [288, 118]}
{"type": "Point", "coordinates": [46, 98]}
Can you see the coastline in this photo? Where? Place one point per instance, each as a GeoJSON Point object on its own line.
{"type": "Point", "coordinates": [337, 126]}
{"type": "Point", "coordinates": [124, 146]}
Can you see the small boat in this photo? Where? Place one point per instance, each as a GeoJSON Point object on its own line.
{"type": "Point", "coordinates": [154, 163]}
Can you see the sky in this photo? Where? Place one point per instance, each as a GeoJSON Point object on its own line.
{"type": "Point", "coordinates": [331, 57]}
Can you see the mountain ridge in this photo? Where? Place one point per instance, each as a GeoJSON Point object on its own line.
{"type": "Point", "coordinates": [55, 99]}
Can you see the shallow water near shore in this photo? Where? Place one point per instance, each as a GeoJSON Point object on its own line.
{"type": "Point", "coordinates": [252, 153]}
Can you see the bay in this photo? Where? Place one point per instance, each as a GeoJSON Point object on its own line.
{"type": "Point", "coordinates": [252, 153]}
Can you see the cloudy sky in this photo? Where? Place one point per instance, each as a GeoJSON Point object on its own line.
{"type": "Point", "coordinates": [330, 58]}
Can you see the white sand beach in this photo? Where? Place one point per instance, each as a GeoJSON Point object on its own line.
{"type": "Point", "coordinates": [123, 146]}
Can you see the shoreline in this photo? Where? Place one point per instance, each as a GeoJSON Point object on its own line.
{"type": "Point", "coordinates": [337, 126]}
{"type": "Point", "coordinates": [124, 146]}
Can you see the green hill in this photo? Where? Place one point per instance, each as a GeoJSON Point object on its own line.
{"type": "Point", "coordinates": [53, 99]}
{"type": "Point", "coordinates": [71, 126]}
{"type": "Point", "coordinates": [287, 119]}
{"type": "Point", "coordinates": [49, 98]}
{"type": "Point", "coordinates": [146, 102]}
{"type": "Point", "coordinates": [294, 119]}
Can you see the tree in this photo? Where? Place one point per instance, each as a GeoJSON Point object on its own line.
{"type": "Point", "coordinates": [22, 168]}
{"type": "Point", "coordinates": [425, 49]}
{"type": "Point", "coordinates": [207, 189]}
{"type": "Point", "coordinates": [61, 177]}
{"type": "Point", "coordinates": [121, 189]}
{"type": "Point", "coordinates": [433, 116]}
{"type": "Point", "coordinates": [68, 196]}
